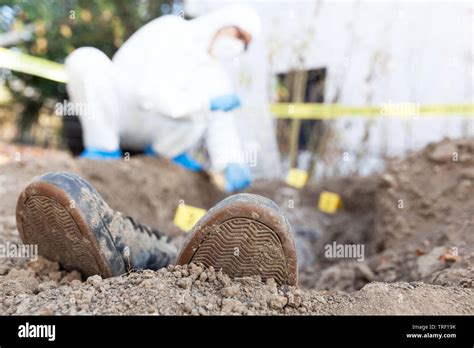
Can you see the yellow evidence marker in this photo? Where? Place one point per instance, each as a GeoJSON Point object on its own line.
{"type": "Point", "coordinates": [187, 216]}
{"type": "Point", "coordinates": [297, 178]}
{"type": "Point", "coordinates": [329, 202]}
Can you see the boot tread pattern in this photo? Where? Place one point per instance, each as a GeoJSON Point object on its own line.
{"type": "Point", "coordinates": [244, 247]}
{"type": "Point", "coordinates": [48, 224]}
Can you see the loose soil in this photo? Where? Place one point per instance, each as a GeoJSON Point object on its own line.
{"type": "Point", "coordinates": [414, 221]}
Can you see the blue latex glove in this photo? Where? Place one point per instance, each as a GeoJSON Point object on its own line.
{"type": "Point", "coordinates": [99, 155]}
{"type": "Point", "coordinates": [225, 103]}
{"type": "Point", "coordinates": [149, 151]}
{"type": "Point", "coordinates": [237, 177]}
{"type": "Point", "coordinates": [183, 159]}
{"type": "Point", "coordinates": [187, 162]}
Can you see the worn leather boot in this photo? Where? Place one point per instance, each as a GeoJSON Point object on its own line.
{"type": "Point", "coordinates": [244, 235]}
{"type": "Point", "coordinates": [71, 224]}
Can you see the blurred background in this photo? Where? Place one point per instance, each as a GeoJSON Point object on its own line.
{"type": "Point", "coordinates": [398, 56]}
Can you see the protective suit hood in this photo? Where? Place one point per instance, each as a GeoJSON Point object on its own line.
{"type": "Point", "coordinates": [246, 18]}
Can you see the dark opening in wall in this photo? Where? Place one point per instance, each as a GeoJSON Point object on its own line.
{"type": "Point", "coordinates": [301, 86]}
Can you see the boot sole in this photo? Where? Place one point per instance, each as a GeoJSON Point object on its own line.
{"type": "Point", "coordinates": [244, 235]}
{"type": "Point", "coordinates": [47, 216]}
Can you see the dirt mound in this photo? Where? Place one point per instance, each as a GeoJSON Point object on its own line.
{"type": "Point", "coordinates": [418, 222]}
{"type": "Point", "coordinates": [150, 189]}
{"type": "Point", "coordinates": [427, 198]}
{"type": "Point", "coordinates": [196, 290]}
{"type": "Point", "coordinates": [425, 225]}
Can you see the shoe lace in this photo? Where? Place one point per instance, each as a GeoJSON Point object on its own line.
{"type": "Point", "coordinates": [146, 229]}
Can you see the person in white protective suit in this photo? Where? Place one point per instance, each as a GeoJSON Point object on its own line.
{"type": "Point", "coordinates": [165, 89]}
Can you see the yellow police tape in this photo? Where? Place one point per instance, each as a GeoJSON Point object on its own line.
{"type": "Point", "coordinates": [27, 64]}
{"type": "Point", "coordinates": [315, 111]}
{"type": "Point", "coordinates": [47, 69]}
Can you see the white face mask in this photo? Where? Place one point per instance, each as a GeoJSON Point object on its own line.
{"type": "Point", "coordinates": [227, 47]}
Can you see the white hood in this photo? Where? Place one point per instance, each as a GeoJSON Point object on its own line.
{"type": "Point", "coordinates": [246, 18]}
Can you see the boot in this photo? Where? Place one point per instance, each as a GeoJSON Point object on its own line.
{"type": "Point", "coordinates": [65, 216]}
{"type": "Point", "coordinates": [71, 224]}
{"type": "Point", "coordinates": [244, 235]}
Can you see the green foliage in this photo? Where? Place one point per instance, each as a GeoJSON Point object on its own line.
{"type": "Point", "coordinates": [59, 27]}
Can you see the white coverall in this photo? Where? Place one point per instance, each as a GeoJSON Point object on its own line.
{"type": "Point", "coordinates": [158, 86]}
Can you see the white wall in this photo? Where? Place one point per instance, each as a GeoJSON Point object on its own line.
{"type": "Point", "coordinates": [376, 52]}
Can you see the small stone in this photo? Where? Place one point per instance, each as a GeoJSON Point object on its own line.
{"type": "Point", "coordinates": [211, 274]}
{"type": "Point", "coordinates": [184, 283]}
{"type": "Point", "coordinates": [31, 284]}
{"type": "Point", "coordinates": [135, 280]}
{"type": "Point", "coordinates": [177, 274]}
{"type": "Point", "coordinates": [55, 276]}
{"type": "Point", "coordinates": [94, 280]}
{"type": "Point", "coordinates": [231, 305]}
{"type": "Point", "coordinates": [321, 299]}
{"type": "Point", "coordinates": [388, 180]}
{"type": "Point", "coordinates": [230, 291]}
{"type": "Point", "coordinates": [88, 295]}
{"type": "Point", "coordinates": [74, 275]}
{"type": "Point", "coordinates": [77, 294]}
{"type": "Point", "coordinates": [43, 266]}
{"type": "Point", "coordinates": [223, 278]}
{"type": "Point", "coordinates": [272, 286]}
{"type": "Point", "coordinates": [45, 311]}
{"type": "Point", "coordinates": [277, 302]}
{"type": "Point", "coordinates": [302, 310]}
{"type": "Point", "coordinates": [270, 282]}
{"type": "Point", "coordinates": [4, 269]}
{"type": "Point", "coordinates": [442, 152]}
{"type": "Point", "coordinates": [195, 270]}
{"type": "Point", "coordinates": [203, 277]}
{"type": "Point", "coordinates": [76, 283]}
{"type": "Point", "coordinates": [149, 273]}
{"type": "Point", "coordinates": [188, 307]}
{"type": "Point", "coordinates": [47, 286]}
{"type": "Point", "coordinates": [294, 300]}
{"type": "Point", "coordinates": [201, 301]}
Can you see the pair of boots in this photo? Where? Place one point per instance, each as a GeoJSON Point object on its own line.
{"type": "Point", "coordinates": [65, 216]}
